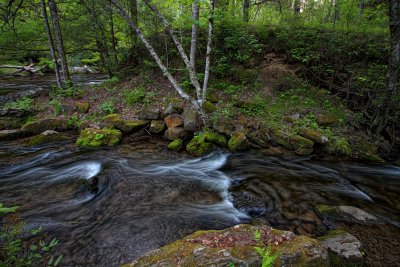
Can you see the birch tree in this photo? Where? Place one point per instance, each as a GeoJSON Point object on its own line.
{"type": "Point", "coordinates": [201, 91]}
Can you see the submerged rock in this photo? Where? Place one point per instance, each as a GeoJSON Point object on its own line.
{"type": "Point", "coordinates": [99, 137]}
{"type": "Point", "coordinates": [199, 147]}
{"type": "Point", "coordinates": [40, 126]}
{"type": "Point", "coordinates": [344, 249]}
{"type": "Point", "coordinates": [48, 136]}
{"type": "Point", "coordinates": [238, 141]}
{"type": "Point", "coordinates": [237, 246]}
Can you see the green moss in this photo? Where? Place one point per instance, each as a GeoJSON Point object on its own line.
{"type": "Point", "coordinates": [198, 146]}
{"type": "Point", "coordinates": [209, 107]}
{"type": "Point", "coordinates": [339, 146]}
{"type": "Point", "coordinates": [96, 138]}
{"type": "Point", "coordinates": [82, 107]}
{"type": "Point", "coordinates": [215, 138]}
{"type": "Point", "coordinates": [175, 145]}
{"type": "Point", "coordinates": [116, 120]}
{"type": "Point", "coordinates": [40, 126]}
{"type": "Point", "coordinates": [11, 122]}
{"type": "Point", "coordinates": [238, 141]}
{"type": "Point", "coordinates": [47, 138]}
{"type": "Point", "coordinates": [332, 234]}
{"type": "Point", "coordinates": [323, 209]}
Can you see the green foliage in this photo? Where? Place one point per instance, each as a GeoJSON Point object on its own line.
{"type": "Point", "coordinates": [16, 250]}
{"type": "Point", "coordinates": [134, 96]}
{"type": "Point", "coordinates": [73, 121]}
{"type": "Point", "coordinates": [69, 91]}
{"type": "Point", "coordinates": [268, 256]}
{"type": "Point", "coordinates": [56, 106]}
{"type": "Point", "coordinates": [25, 103]}
{"type": "Point", "coordinates": [107, 107]}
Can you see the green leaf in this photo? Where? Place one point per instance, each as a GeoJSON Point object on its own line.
{"type": "Point", "coordinates": [50, 262]}
{"type": "Point", "coordinates": [7, 210]}
{"type": "Point", "coordinates": [58, 261]}
{"type": "Point", "coordinates": [33, 247]}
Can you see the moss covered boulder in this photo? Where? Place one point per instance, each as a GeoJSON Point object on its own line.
{"type": "Point", "coordinates": [327, 119]}
{"type": "Point", "coordinates": [37, 127]}
{"type": "Point", "coordinates": [237, 246]}
{"type": "Point", "coordinates": [209, 107]}
{"type": "Point", "coordinates": [216, 138]}
{"type": "Point", "coordinates": [175, 145]}
{"type": "Point", "coordinates": [90, 137]}
{"type": "Point", "coordinates": [116, 121]}
{"type": "Point", "coordinates": [82, 107]}
{"type": "Point", "coordinates": [238, 141]}
{"type": "Point", "coordinates": [157, 126]}
{"type": "Point", "coordinates": [198, 146]}
{"type": "Point", "coordinates": [314, 135]}
{"type": "Point", "coordinates": [299, 144]}
{"type": "Point", "coordinates": [258, 139]}
{"type": "Point", "coordinates": [348, 214]}
{"type": "Point", "coordinates": [48, 136]}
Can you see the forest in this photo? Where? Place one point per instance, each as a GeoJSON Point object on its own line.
{"type": "Point", "coordinates": [258, 114]}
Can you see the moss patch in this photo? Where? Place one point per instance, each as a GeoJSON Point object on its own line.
{"type": "Point", "coordinates": [238, 141]}
{"type": "Point", "coordinates": [47, 137]}
{"type": "Point", "coordinates": [175, 145]}
{"type": "Point", "coordinates": [215, 138]}
{"type": "Point", "coordinates": [198, 146]}
{"type": "Point", "coordinates": [90, 137]}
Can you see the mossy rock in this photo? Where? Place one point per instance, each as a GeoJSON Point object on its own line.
{"type": "Point", "coordinates": [199, 147]}
{"type": "Point", "coordinates": [37, 127]}
{"type": "Point", "coordinates": [177, 133]}
{"type": "Point", "coordinates": [215, 138]}
{"type": "Point", "coordinates": [339, 146]}
{"type": "Point", "coordinates": [175, 145]}
{"type": "Point", "coordinates": [314, 135]}
{"type": "Point", "coordinates": [47, 137]}
{"type": "Point", "coordinates": [90, 137]}
{"type": "Point", "coordinates": [157, 126]}
{"type": "Point", "coordinates": [209, 107]}
{"type": "Point", "coordinates": [116, 120]}
{"type": "Point", "coordinates": [238, 141]}
{"type": "Point", "coordinates": [12, 134]}
{"type": "Point", "coordinates": [327, 119]}
{"type": "Point", "coordinates": [237, 246]}
{"type": "Point", "coordinates": [257, 139]}
{"type": "Point", "coordinates": [82, 107]}
{"type": "Point", "coordinates": [173, 120]}
{"type": "Point", "coordinates": [8, 123]}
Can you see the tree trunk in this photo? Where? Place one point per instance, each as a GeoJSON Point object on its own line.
{"type": "Point", "coordinates": [195, 32]}
{"type": "Point", "coordinates": [133, 9]}
{"type": "Point", "coordinates": [208, 53]}
{"type": "Point", "coordinates": [296, 7]}
{"type": "Point", "coordinates": [246, 7]}
{"type": "Point", "coordinates": [394, 64]}
{"type": "Point", "coordinates": [113, 39]}
{"type": "Point", "coordinates": [59, 41]}
{"type": "Point", "coordinates": [51, 43]}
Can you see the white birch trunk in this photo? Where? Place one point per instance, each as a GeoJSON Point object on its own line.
{"type": "Point", "coordinates": [195, 32]}
{"type": "Point", "coordinates": [208, 53]}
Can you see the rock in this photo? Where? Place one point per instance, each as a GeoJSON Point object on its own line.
{"type": "Point", "coordinates": [173, 120]}
{"type": "Point", "coordinates": [238, 141]}
{"type": "Point", "coordinates": [82, 107]}
{"type": "Point", "coordinates": [40, 126]}
{"type": "Point", "coordinates": [216, 138]}
{"type": "Point", "coordinates": [209, 107]}
{"type": "Point", "coordinates": [13, 112]}
{"type": "Point", "coordinates": [294, 117]}
{"type": "Point", "coordinates": [190, 120]}
{"type": "Point", "coordinates": [257, 139]}
{"type": "Point", "coordinates": [171, 109]}
{"type": "Point", "coordinates": [176, 133]}
{"type": "Point", "coordinates": [347, 214]}
{"type": "Point", "coordinates": [157, 126]}
{"type": "Point", "coordinates": [175, 145]}
{"type": "Point", "coordinates": [7, 123]}
{"type": "Point", "coordinates": [150, 114]}
{"type": "Point", "coordinates": [293, 142]}
{"type": "Point", "coordinates": [48, 136]}
{"type": "Point", "coordinates": [304, 151]}
{"type": "Point", "coordinates": [116, 120]}
{"type": "Point", "coordinates": [12, 134]}
{"type": "Point", "coordinates": [199, 147]}
{"type": "Point", "coordinates": [344, 249]}
{"type": "Point", "coordinates": [99, 137]}
{"type": "Point", "coordinates": [224, 127]}
{"type": "Point", "coordinates": [237, 246]}
{"type": "Point", "coordinates": [314, 135]}
{"type": "Point", "coordinates": [327, 119]}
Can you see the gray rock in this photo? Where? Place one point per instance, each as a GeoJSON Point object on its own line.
{"type": "Point", "coordinates": [150, 114]}
{"type": "Point", "coordinates": [190, 120]}
{"type": "Point", "coordinates": [157, 126]}
{"type": "Point", "coordinates": [171, 109]}
{"type": "Point", "coordinates": [358, 214]}
{"type": "Point", "coordinates": [344, 249]}
{"type": "Point", "coordinates": [176, 133]}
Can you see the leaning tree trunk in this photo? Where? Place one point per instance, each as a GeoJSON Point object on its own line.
{"type": "Point", "coordinates": [394, 65]}
{"type": "Point", "coordinates": [51, 43]}
{"type": "Point", "coordinates": [59, 41]}
{"type": "Point", "coordinates": [208, 53]}
{"type": "Point", "coordinates": [195, 33]}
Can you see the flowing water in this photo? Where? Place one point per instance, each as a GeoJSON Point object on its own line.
{"type": "Point", "coordinates": [148, 196]}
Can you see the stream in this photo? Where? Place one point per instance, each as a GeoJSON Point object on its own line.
{"type": "Point", "coordinates": [148, 196]}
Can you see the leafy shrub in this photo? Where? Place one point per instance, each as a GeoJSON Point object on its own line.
{"type": "Point", "coordinates": [134, 96]}
{"type": "Point", "coordinates": [21, 248]}
{"type": "Point", "coordinates": [25, 103]}
{"type": "Point", "coordinates": [56, 106]}
{"type": "Point", "coordinates": [107, 107]}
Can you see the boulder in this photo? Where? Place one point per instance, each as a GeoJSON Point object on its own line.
{"type": "Point", "coordinates": [48, 136]}
{"type": "Point", "coordinates": [12, 134]}
{"type": "Point", "coordinates": [238, 141]}
{"type": "Point", "coordinates": [347, 214]}
{"type": "Point", "coordinates": [175, 145]}
{"type": "Point", "coordinates": [327, 119]}
{"type": "Point", "coordinates": [293, 142]}
{"type": "Point", "coordinates": [258, 139]}
{"type": "Point", "coordinates": [173, 120]}
{"type": "Point", "coordinates": [216, 138]}
{"type": "Point", "coordinates": [314, 135]}
{"type": "Point", "coordinates": [190, 120]}
{"type": "Point", "coordinates": [176, 133]}
{"type": "Point", "coordinates": [344, 249]}
{"type": "Point", "coordinates": [40, 126]}
{"type": "Point", "coordinates": [157, 126]}
{"type": "Point", "coordinates": [238, 246]}
{"type": "Point", "coordinates": [99, 137]}
{"type": "Point", "coordinates": [173, 108]}
{"type": "Point", "coordinates": [150, 114]}
{"type": "Point", "coordinates": [199, 147]}
{"type": "Point", "coordinates": [116, 120]}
